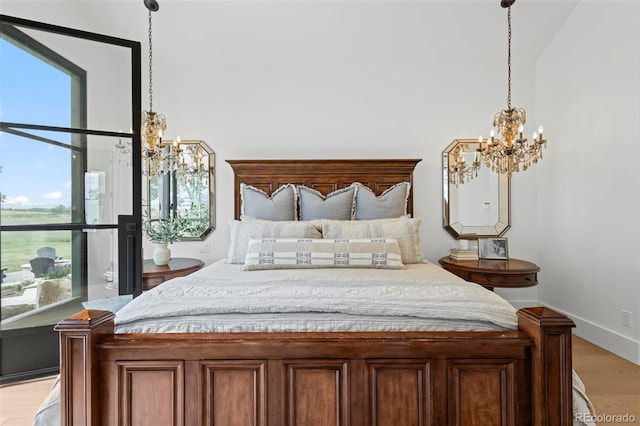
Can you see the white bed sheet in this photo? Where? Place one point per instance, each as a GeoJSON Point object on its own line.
{"type": "Point", "coordinates": [222, 298]}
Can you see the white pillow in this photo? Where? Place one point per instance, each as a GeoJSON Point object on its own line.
{"type": "Point", "coordinates": [281, 205]}
{"type": "Point", "coordinates": [292, 253]}
{"type": "Point", "coordinates": [336, 205]}
{"type": "Point", "coordinates": [243, 231]}
{"type": "Point", "coordinates": [391, 203]}
{"type": "Point", "coordinates": [403, 229]}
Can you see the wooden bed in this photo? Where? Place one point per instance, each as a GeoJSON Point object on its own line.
{"type": "Point", "coordinates": [518, 377]}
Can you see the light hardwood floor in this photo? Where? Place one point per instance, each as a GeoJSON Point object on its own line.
{"type": "Point", "coordinates": [612, 384]}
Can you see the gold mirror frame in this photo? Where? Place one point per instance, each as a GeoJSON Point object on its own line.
{"type": "Point", "coordinates": [480, 207]}
{"type": "Point", "coordinates": [190, 193]}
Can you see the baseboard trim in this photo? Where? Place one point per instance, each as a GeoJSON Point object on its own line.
{"type": "Point", "coordinates": [519, 304]}
{"type": "Point", "coordinates": [623, 346]}
{"type": "Point", "coordinates": [29, 375]}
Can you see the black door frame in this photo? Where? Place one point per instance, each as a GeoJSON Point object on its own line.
{"type": "Point", "coordinates": [21, 351]}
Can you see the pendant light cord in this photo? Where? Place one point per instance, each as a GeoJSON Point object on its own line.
{"type": "Point", "coordinates": [509, 60]}
{"type": "Point", "coordinates": [150, 65]}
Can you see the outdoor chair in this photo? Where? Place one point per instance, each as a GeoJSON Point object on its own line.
{"type": "Point", "coordinates": [49, 252]}
{"type": "Point", "coordinates": [42, 265]}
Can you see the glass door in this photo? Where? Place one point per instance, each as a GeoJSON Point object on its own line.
{"type": "Point", "coordinates": [70, 184]}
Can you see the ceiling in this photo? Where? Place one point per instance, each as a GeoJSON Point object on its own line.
{"type": "Point", "coordinates": [240, 33]}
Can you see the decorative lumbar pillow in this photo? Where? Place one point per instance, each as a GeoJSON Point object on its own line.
{"type": "Point", "coordinates": [391, 203]}
{"type": "Point", "coordinates": [281, 205]}
{"type": "Point", "coordinates": [291, 253]}
{"type": "Point", "coordinates": [404, 229]}
{"type": "Point", "coordinates": [337, 205]}
{"type": "Point", "coordinates": [243, 231]}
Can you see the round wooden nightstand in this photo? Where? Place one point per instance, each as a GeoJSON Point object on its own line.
{"type": "Point", "coordinates": [153, 274]}
{"type": "Point", "coordinates": [511, 273]}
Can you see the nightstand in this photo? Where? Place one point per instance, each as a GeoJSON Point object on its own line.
{"type": "Point", "coordinates": [512, 273]}
{"type": "Point", "coordinates": [153, 275]}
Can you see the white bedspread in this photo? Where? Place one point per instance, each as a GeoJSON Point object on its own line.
{"type": "Point", "coordinates": [223, 298]}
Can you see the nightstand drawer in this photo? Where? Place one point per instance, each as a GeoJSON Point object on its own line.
{"type": "Point", "coordinates": [498, 280]}
{"type": "Point", "coordinates": [481, 277]}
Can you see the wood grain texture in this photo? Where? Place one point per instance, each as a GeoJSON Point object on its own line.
{"type": "Point", "coordinates": [153, 275]}
{"type": "Point", "coordinates": [511, 273]}
{"type": "Point", "coordinates": [416, 378]}
{"type": "Point", "coordinates": [612, 384]}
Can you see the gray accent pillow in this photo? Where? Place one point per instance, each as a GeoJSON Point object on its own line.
{"type": "Point", "coordinates": [281, 205]}
{"type": "Point", "coordinates": [337, 205]}
{"type": "Point", "coordinates": [403, 229]}
{"type": "Point", "coordinates": [243, 231]}
{"type": "Point", "coordinates": [391, 203]}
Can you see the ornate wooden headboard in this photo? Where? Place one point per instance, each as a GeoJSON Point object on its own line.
{"type": "Point", "coordinates": [323, 175]}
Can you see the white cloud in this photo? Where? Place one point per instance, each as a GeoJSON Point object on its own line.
{"type": "Point", "coordinates": [20, 199]}
{"type": "Point", "coordinates": [55, 195]}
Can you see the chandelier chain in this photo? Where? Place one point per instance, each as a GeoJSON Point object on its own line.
{"type": "Point", "coordinates": [510, 151]}
{"type": "Point", "coordinates": [509, 60]}
{"type": "Point", "coordinates": [150, 65]}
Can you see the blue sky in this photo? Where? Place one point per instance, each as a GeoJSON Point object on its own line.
{"type": "Point", "coordinates": [31, 91]}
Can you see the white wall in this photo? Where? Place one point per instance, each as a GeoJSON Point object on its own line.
{"type": "Point", "coordinates": [316, 102]}
{"type": "Point", "coordinates": [383, 80]}
{"type": "Point", "coordinates": [588, 92]}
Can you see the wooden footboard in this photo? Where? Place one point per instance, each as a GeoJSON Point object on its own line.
{"type": "Point", "coordinates": [276, 379]}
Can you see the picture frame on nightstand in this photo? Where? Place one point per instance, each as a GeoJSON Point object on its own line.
{"type": "Point", "coordinates": [493, 248]}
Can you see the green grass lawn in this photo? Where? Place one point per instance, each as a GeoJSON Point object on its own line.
{"type": "Point", "coordinates": [17, 248]}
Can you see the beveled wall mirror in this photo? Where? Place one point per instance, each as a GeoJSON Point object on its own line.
{"type": "Point", "coordinates": [187, 191]}
{"type": "Point", "coordinates": [479, 207]}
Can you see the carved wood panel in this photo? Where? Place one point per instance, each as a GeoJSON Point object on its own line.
{"type": "Point", "coordinates": [234, 393]}
{"type": "Point", "coordinates": [152, 393]}
{"type": "Point", "coordinates": [400, 393]}
{"type": "Point", "coordinates": [317, 393]}
{"type": "Point", "coordinates": [494, 380]}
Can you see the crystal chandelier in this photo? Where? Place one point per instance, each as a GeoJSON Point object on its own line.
{"type": "Point", "coordinates": [159, 157]}
{"type": "Point", "coordinates": [511, 152]}
{"type": "Point", "coordinates": [459, 171]}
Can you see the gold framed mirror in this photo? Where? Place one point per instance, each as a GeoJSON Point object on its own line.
{"type": "Point", "coordinates": [479, 207]}
{"type": "Point", "coordinates": [188, 191]}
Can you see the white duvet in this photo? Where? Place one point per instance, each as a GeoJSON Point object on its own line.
{"type": "Point", "coordinates": [223, 298]}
